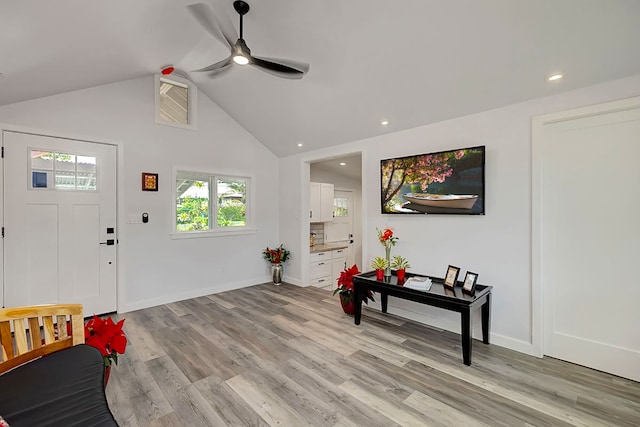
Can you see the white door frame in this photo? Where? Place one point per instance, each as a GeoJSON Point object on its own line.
{"type": "Point", "coordinates": [304, 227]}
{"type": "Point", "coordinates": [537, 140]}
{"type": "Point", "coordinates": [120, 220]}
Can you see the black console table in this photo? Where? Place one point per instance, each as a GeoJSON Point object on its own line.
{"type": "Point", "coordinates": [438, 296]}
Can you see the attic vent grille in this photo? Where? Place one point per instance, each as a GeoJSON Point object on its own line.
{"type": "Point", "coordinates": [175, 102]}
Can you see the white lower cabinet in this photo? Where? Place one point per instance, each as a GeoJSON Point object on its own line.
{"type": "Point", "coordinates": [338, 263]}
{"type": "Point", "coordinates": [325, 268]}
{"type": "Point", "coordinates": [320, 269]}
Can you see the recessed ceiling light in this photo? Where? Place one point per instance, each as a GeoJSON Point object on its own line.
{"type": "Point", "coordinates": [343, 164]}
{"type": "Point", "coordinates": [554, 77]}
{"type": "Point", "coordinates": [299, 144]}
{"type": "Point", "coordinates": [384, 122]}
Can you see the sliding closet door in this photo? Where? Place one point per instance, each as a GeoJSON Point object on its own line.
{"type": "Point", "coordinates": [587, 178]}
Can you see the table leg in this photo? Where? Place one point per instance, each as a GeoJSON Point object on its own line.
{"type": "Point", "coordinates": [384, 299]}
{"type": "Point", "coordinates": [486, 319]}
{"type": "Point", "coordinates": [466, 336]}
{"type": "Point", "coordinates": [357, 303]}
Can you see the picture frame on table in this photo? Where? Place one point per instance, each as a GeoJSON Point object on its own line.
{"type": "Point", "coordinates": [469, 284]}
{"type": "Point", "coordinates": [149, 181]}
{"type": "Point", "coordinates": [451, 278]}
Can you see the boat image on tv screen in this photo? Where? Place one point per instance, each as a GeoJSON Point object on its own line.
{"type": "Point", "coordinates": [447, 182]}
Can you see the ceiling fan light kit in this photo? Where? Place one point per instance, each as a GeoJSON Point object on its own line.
{"type": "Point", "coordinates": [240, 52]}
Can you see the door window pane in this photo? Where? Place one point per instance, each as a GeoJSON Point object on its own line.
{"type": "Point", "coordinates": [40, 179]}
{"type": "Point", "coordinates": [65, 162]}
{"type": "Point", "coordinates": [86, 181]}
{"type": "Point", "coordinates": [41, 160]}
{"type": "Point", "coordinates": [63, 171]}
{"type": "Point", "coordinates": [65, 180]}
{"type": "Point", "coordinates": [86, 164]}
{"type": "Point", "coordinates": [340, 207]}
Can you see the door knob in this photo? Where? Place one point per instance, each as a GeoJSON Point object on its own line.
{"type": "Point", "coordinates": [109, 242]}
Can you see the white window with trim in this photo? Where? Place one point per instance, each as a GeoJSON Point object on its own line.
{"type": "Point", "coordinates": [209, 204]}
{"type": "Point", "coordinates": [175, 101]}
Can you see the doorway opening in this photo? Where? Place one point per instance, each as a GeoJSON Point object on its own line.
{"type": "Point", "coordinates": [344, 172]}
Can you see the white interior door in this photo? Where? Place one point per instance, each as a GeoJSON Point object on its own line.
{"type": "Point", "coordinates": [59, 221]}
{"type": "Point", "coordinates": [340, 230]}
{"type": "Point", "coordinates": [590, 239]}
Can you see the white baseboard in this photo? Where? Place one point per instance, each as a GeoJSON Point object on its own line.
{"type": "Point", "coordinates": [293, 281]}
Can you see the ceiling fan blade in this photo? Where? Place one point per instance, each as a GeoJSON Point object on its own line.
{"type": "Point", "coordinates": [300, 66]}
{"type": "Point", "coordinates": [217, 66]}
{"type": "Point", "coordinates": [204, 14]}
{"type": "Point", "coordinates": [279, 69]}
{"type": "Point", "coordinates": [219, 71]}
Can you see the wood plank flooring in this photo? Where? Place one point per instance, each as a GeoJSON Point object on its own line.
{"type": "Point", "coordinates": [288, 356]}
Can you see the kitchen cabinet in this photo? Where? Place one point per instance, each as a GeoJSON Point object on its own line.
{"type": "Point", "coordinates": [320, 269]}
{"type": "Point", "coordinates": [338, 262]}
{"type": "Point", "coordinates": [325, 267]}
{"type": "Point", "coordinates": [320, 202]}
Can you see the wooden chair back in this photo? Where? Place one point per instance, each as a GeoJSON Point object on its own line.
{"type": "Point", "coordinates": [27, 333]}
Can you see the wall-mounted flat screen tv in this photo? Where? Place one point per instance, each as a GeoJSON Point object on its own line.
{"type": "Point", "coordinates": [447, 182]}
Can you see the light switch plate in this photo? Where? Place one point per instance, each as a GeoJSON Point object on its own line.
{"type": "Point", "coordinates": [134, 219]}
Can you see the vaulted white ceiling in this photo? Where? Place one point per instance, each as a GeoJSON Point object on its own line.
{"type": "Point", "coordinates": [412, 62]}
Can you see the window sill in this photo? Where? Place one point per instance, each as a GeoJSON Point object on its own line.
{"type": "Point", "coordinates": [211, 233]}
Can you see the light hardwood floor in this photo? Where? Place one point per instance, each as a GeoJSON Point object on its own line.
{"type": "Point", "coordinates": [288, 356]}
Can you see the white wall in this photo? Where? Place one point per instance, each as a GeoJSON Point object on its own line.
{"type": "Point", "coordinates": [497, 245]}
{"type": "Point", "coordinates": [152, 267]}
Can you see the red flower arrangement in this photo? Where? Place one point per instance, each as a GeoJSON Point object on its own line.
{"type": "Point", "coordinates": [386, 237]}
{"type": "Point", "coordinates": [277, 255]}
{"type": "Point", "coordinates": [107, 337]}
{"type": "Point", "coordinates": [345, 286]}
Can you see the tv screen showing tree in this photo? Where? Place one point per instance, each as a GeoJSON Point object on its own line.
{"type": "Point", "coordinates": [447, 182]}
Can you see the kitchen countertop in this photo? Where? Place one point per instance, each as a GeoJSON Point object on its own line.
{"type": "Point", "coordinates": [327, 247]}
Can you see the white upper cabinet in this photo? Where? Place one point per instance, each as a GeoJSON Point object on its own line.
{"type": "Point", "coordinates": [321, 202]}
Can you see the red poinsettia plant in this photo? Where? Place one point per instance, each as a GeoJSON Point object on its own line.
{"type": "Point", "coordinates": [345, 286]}
{"type": "Point", "coordinates": [107, 337]}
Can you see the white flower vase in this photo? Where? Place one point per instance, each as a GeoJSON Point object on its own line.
{"type": "Point", "coordinates": [276, 273]}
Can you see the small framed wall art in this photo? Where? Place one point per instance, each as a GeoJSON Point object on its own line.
{"type": "Point", "coordinates": [149, 181]}
{"type": "Point", "coordinates": [452, 276]}
{"type": "Point", "coordinates": [469, 284]}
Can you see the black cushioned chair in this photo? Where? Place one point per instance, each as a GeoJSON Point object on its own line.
{"type": "Point", "coordinates": [51, 378]}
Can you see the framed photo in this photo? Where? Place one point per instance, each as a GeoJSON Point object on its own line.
{"type": "Point", "coordinates": [149, 181]}
{"type": "Point", "coordinates": [452, 276]}
{"type": "Point", "coordinates": [469, 285]}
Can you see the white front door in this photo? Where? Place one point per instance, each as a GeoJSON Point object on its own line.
{"type": "Point", "coordinates": [59, 222]}
{"type": "Point", "coordinates": [590, 237]}
{"type": "Point", "coordinates": [340, 230]}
